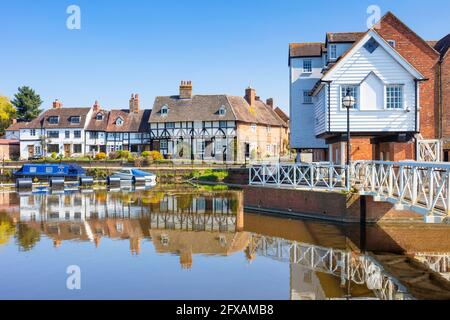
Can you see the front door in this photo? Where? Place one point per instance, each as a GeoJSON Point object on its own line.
{"type": "Point", "coordinates": [67, 150]}
{"type": "Point", "coordinates": [30, 151]}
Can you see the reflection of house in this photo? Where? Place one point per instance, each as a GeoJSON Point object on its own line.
{"type": "Point", "coordinates": [188, 243]}
{"type": "Point", "coordinates": [216, 127]}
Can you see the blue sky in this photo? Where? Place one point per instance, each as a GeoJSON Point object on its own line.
{"type": "Point", "coordinates": [147, 47]}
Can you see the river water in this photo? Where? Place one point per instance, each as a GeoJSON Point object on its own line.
{"type": "Point", "coordinates": [184, 242]}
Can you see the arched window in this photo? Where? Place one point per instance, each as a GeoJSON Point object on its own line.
{"type": "Point", "coordinates": [99, 116]}
{"type": "Point", "coordinates": [119, 121]}
{"type": "Point", "coordinates": [222, 111]}
{"type": "Point", "coordinates": [164, 111]}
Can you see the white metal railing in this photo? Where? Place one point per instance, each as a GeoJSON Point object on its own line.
{"type": "Point", "coordinates": [346, 265]}
{"type": "Point", "coordinates": [304, 175]}
{"type": "Point", "coordinates": [422, 186]}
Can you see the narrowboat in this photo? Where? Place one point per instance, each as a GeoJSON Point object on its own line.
{"type": "Point", "coordinates": [46, 171]}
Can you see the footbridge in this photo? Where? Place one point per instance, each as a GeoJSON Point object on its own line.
{"type": "Point", "coordinates": [363, 269]}
{"type": "Point", "coordinates": [422, 187]}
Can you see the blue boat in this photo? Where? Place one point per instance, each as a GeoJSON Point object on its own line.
{"type": "Point", "coordinates": [46, 171]}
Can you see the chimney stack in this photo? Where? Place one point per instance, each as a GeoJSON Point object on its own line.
{"type": "Point", "coordinates": [186, 90]}
{"type": "Point", "coordinates": [269, 102]}
{"type": "Point", "coordinates": [250, 96]}
{"type": "Point", "coordinates": [134, 103]}
{"type": "Point", "coordinates": [57, 104]}
{"type": "Point", "coordinates": [96, 106]}
{"type": "Point", "coordinates": [14, 121]}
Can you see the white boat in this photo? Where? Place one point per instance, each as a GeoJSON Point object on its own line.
{"type": "Point", "coordinates": [134, 175]}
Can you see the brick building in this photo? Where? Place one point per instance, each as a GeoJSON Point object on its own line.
{"type": "Point", "coordinates": [392, 73]}
{"type": "Point", "coordinates": [442, 46]}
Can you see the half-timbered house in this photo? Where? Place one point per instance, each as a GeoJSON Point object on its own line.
{"type": "Point", "coordinates": [216, 127]}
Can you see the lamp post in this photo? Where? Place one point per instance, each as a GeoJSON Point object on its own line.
{"type": "Point", "coordinates": [349, 102]}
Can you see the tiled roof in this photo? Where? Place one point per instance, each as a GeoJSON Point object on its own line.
{"type": "Point", "coordinates": [443, 45]}
{"type": "Point", "coordinates": [307, 49]}
{"type": "Point", "coordinates": [260, 113]}
{"type": "Point", "coordinates": [64, 115]}
{"type": "Point", "coordinates": [17, 126]}
{"type": "Point", "coordinates": [132, 122]}
{"type": "Point", "coordinates": [337, 37]}
{"type": "Point", "coordinates": [206, 108]}
{"type": "Point", "coordinates": [9, 142]}
{"type": "Point", "coordinates": [98, 125]}
{"type": "Point", "coordinates": [282, 114]}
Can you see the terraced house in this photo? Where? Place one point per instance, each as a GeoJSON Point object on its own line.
{"type": "Point", "coordinates": [76, 132]}
{"type": "Point", "coordinates": [389, 70]}
{"type": "Point", "coordinates": [216, 127]}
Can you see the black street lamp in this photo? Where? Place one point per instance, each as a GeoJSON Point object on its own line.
{"type": "Point", "coordinates": [349, 102]}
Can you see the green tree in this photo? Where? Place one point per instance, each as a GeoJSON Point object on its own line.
{"type": "Point", "coordinates": [7, 114]}
{"type": "Point", "coordinates": [27, 103]}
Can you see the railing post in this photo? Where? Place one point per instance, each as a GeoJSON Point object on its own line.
{"type": "Point", "coordinates": [415, 186]}
{"type": "Point", "coordinates": [295, 174]}
{"type": "Point", "coordinates": [391, 181]}
{"type": "Point", "coordinates": [311, 175]}
{"type": "Point", "coordinates": [278, 174]}
{"type": "Point", "coordinates": [402, 183]}
{"type": "Point", "coordinates": [374, 172]}
{"type": "Point", "coordinates": [250, 175]}
{"type": "Point", "coordinates": [431, 189]}
{"type": "Point", "coordinates": [447, 211]}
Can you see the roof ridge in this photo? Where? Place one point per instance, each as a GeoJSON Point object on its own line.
{"type": "Point", "coordinates": [389, 13]}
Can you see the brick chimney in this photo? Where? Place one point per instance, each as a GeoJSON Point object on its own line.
{"type": "Point", "coordinates": [14, 121]}
{"type": "Point", "coordinates": [134, 103]}
{"type": "Point", "coordinates": [96, 106]}
{"type": "Point", "coordinates": [269, 102]}
{"type": "Point", "coordinates": [250, 96]}
{"type": "Point", "coordinates": [186, 90]}
{"type": "Point", "coordinates": [57, 104]}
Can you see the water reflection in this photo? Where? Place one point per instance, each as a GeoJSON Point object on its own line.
{"type": "Point", "coordinates": [306, 259]}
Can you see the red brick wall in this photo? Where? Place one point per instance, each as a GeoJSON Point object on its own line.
{"type": "Point", "coordinates": [424, 59]}
{"type": "Point", "coordinates": [446, 100]}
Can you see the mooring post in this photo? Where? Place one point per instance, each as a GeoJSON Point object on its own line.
{"type": "Point", "coordinates": [362, 222]}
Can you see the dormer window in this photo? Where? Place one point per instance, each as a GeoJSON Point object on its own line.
{"type": "Point", "coordinates": [99, 116]}
{"type": "Point", "coordinates": [53, 120]}
{"type": "Point", "coordinates": [164, 111]}
{"type": "Point", "coordinates": [222, 111]}
{"type": "Point", "coordinates": [119, 122]}
{"type": "Point", "coordinates": [392, 43]}
{"type": "Point", "coordinates": [75, 120]}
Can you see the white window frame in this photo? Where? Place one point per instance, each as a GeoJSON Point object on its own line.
{"type": "Point", "coordinates": [163, 144]}
{"type": "Point", "coordinates": [333, 50]}
{"type": "Point", "coordinates": [53, 117]}
{"type": "Point", "coordinates": [75, 122]}
{"type": "Point", "coordinates": [201, 146]}
{"type": "Point", "coordinates": [222, 111]}
{"type": "Point", "coordinates": [164, 111]}
{"type": "Point", "coordinates": [402, 96]}
{"type": "Point", "coordinates": [33, 132]}
{"type": "Point", "coordinates": [119, 122]}
{"type": "Point", "coordinates": [392, 43]}
{"type": "Point", "coordinates": [269, 128]}
{"type": "Point", "coordinates": [307, 70]}
{"type": "Point", "coordinates": [253, 127]}
{"type": "Point", "coordinates": [306, 98]}
{"type": "Point", "coordinates": [357, 97]}
{"type": "Point", "coordinates": [75, 136]}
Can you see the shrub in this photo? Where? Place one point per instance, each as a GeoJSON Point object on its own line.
{"type": "Point", "coordinates": [156, 156]}
{"type": "Point", "coordinates": [145, 154]}
{"type": "Point", "coordinates": [54, 155]}
{"type": "Point", "coordinates": [124, 154]}
{"type": "Point", "coordinates": [114, 155]}
{"type": "Point", "coordinates": [138, 162]}
{"type": "Point", "coordinates": [100, 156]}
